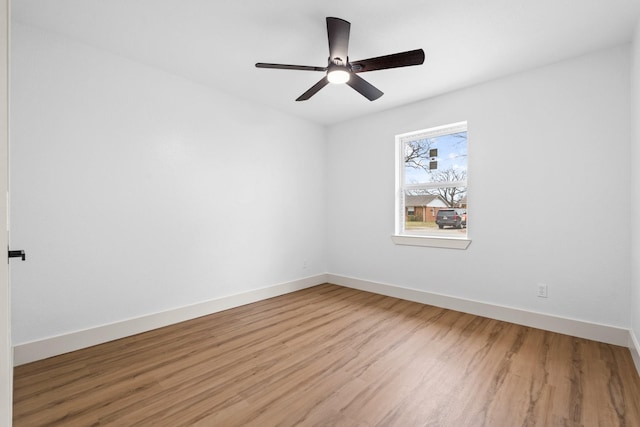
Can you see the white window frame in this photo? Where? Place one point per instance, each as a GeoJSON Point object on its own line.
{"type": "Point", "coordinates": [400, 237]}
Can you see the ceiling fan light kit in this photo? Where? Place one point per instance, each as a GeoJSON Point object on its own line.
{"type": "Point", "coordinates": [338, 74]}
{"type": "Point", "coordinates": [339, 70]}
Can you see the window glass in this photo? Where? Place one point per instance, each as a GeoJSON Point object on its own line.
{"type": "Point", "coordinates": [432, 182]}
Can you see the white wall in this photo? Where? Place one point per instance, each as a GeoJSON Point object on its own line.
{"type": "Point", "coordinates": [549, 153]}
{"type": "Point", "coordinates": [635, 195]}
{"type": "Point", "coordinates": [135, 191]}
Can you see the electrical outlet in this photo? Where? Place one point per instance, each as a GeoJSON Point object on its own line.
{"type": "Point", "coordinates": [305, 264]}
{"type": "Point", "coordinates": [542, 290]}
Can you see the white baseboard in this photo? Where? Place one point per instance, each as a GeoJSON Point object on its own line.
{"type": "Point", "coordinates": [634, 348]}
{"type": "Point", "coordinates": [53, 346]}
{"type": "Point", "coordinates": [576, 328]}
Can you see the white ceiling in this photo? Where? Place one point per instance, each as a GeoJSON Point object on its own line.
{"type": "Point", "coordinates": [217, 42]}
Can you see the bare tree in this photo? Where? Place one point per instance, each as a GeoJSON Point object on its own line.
{"type": "Point", "coordinates": [416, 154]}
{"type": "Point", "coordinates": [452, 195]}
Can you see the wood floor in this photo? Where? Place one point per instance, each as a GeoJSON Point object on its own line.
{"type": "Point", "coordinates": [333, 356]}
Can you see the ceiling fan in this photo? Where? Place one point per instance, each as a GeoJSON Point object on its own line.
{"type": "Point", "coordinates": [340, 70]}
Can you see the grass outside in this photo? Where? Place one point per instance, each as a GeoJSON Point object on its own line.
{"type": "Point", "coordinates": [408, 225]}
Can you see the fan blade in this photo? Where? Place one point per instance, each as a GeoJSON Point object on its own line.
{"type": "Point", "coordinates": [338, 33]}
{"type": "Point", "coordinates": [365, 88]}
{"type": "Point", "coordinates": [290, 67]}
{"type": "Point", "coordinates": [314, 89]}
{"type": "Point", "coordinates": [403, 59]}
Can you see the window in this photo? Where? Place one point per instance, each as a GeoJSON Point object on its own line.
{"type": "Point", "coordinates": [431, 187]}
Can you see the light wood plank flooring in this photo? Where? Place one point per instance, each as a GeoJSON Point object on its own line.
{"type": "Point", "coordinates": [333, 356]}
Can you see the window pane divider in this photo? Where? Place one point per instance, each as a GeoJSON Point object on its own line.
{"type": "Point", "coordinates": [433, 185]}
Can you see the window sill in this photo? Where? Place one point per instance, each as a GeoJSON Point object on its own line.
{"type": "Point", "coordinates": [431, 242]}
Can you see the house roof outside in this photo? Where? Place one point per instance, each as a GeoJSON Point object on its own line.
{"type": "Point", "coordinates": [425, 200]}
